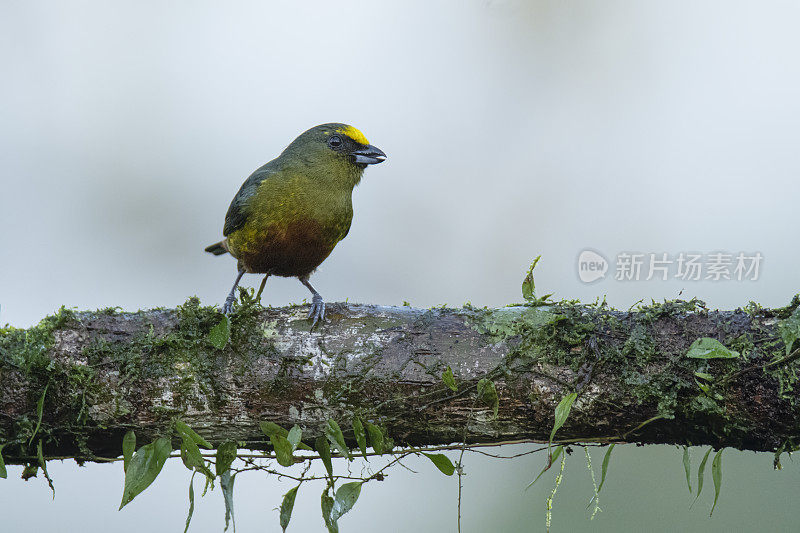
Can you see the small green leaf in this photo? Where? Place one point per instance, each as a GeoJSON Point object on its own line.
{"type": "Point", "coordinates": [442, 463]}
{"type": "Point", "coordinates": [39, 413]}
{"type": "Point", "coordinates": [488, 394]}
{"type": "Point", "coordinates": [604, 468]}
{"type": "Point", "coordinates": [551, 460]}
{"type": "Point", "coordinates": [219, 334]}
{"type": "Point", "coordinates": [334, 434]}
{"type": "Point", "coordinates": [191, 502]}
{"type": "Point", "coordinates": [375, 438]}
{"type": "Point", "coordinates": [703, 387]}
{"type": "Point", "coordinates": [294, 436]}
{"type": "Point", "coordinates": [327, 509]}
{"type": "Point", "coordinates": [687, 467]}
{"type": "Point", "coordinates": [43, 464]}
{"type": "Point", "coordinates": [271, 428]}
{"type": "Point", "coordinates": [226, 484]}
{"type": "Point", "coordinates": [226, 453]}
{"type": "Point", "coordinates": [128, 447]}
{"type": "Point", "coordinates": [716, 475]}
{"type": "Point", "coordinates": [193, 459]}
{"type": "Point", "coordinates": [704, 375]}
{"type": "Point", "coordinates": [323, 448]}
{"type": "Point", "coordinates": [361, 436]}
{"type": "Point", "coordinates": [528, 286]}
{"type": "Point", "coordinates": [708, 348]}
{"type": "Point", "coordinates": [283, 449]}
{"type": "Point", "coordinates": [3, 471]}
{"type": "Point", "coordinates": [346, 497]}
{"type": "Point", "coordinates": [790, 330]}
{"type": "Point", "coordinates": [186, 432]}
{"type": "Point", "coordinates": [701, 472]}
{"type": "Point", "coordinates": [449, 380]}
{"type": "Point", "coordinates": [144, 467]}
{"type": "Point", "coordinates": [562, 412]}
{"type": "Point", "coordinates": [287, 505]}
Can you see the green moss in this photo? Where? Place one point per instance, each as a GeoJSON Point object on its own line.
{"type": "Point", "coordinates": [669, 308]}
{"type": "Point", "coordinates": [743, 344]}
{"type": "Point", "coordinates": [639, 344]}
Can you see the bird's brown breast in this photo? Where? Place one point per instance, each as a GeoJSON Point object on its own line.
{"type": "Point", "coordinates": [295, 250]}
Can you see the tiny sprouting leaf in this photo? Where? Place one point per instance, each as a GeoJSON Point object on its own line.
{"type": "Point", "coordinates": [487, 392]}
{"type": "Point", "coordinates": [604, 467]}
{"type": "Point", "coordinates": [790, 330]}
{"type": "Point", "coordinates": [562, 412]}
{"type": "Point", "coordinates": [701, 472]}
{"type": "Point", "coordinates": [687, 467]}
{"type": "Point", "coordinates": [3, 471]}
{"type": "Point", "coordinates": [334, 434]}
{"type": "Point", "coordinates": [716, 475]}
{"type": "Point", "coordinates": [442, 463]}
{"type": "Point", "coordinates": [294, 436]}
{"type": "Point", "coordinates": [528, 286]}
{"type": "Point", "coordinates": [346, 497]}
{"type": "Point", "coordinates": [128, 447]}
{"type": "Point", "coordinates": [449, 380]}
{"type": "Point", "coordinates": [283, 449]}
{"type": "Point", "coordinates": [360, 434]}
{"type": "Point", "coordinates": [219, 334]}
{"type": "Point", "coordinates": [226, 481]}
{"type": "Point", "coordinates": [191, 502]}
{"type": "Point", "coordinates": [287, 505]}
{"type": "Point", "coordinates": [226, 453]}
{"type": "Point", "coordinates": [188, 433]}
{"type": "Point", "coordinates": [708, 348]}
{"type": "Point", "coordinates": [375, 437]}
{"type": "Point", "coordinates": [323, 448]}
{"type": "Point", "coordinates": [144, 467]}
{"type": "Point", "coordinates": [39, 413]}
{"type": "Point", "coordinates": [551, 460]}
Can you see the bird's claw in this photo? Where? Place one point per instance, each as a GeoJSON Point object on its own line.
{"type": "Point", "coordinates": [227, 307]}
{"type": "Point", "coordinates": [317, 311]}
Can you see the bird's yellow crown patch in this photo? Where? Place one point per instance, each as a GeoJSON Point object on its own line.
{"type": "Point", "coordinates": [353, 133]}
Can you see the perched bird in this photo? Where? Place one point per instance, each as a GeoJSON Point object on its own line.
{"type": "Point", "coordinates": [290, 213]}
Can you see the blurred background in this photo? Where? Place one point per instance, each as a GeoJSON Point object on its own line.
{"type": "Point", "coordinates": [513, 129]}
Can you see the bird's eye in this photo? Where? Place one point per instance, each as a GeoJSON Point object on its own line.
{"type": "Point", "coordinates": [335, 141]}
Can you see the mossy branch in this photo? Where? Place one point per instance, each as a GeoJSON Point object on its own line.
{"type": "Point", "coordinates": [106, 372]}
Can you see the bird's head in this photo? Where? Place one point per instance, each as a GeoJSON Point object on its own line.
{"type": "Point", "coordinates": [335, 144]}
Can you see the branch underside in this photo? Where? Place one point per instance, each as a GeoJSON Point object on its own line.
{"type": "Point", "coordinates": [108, 372]}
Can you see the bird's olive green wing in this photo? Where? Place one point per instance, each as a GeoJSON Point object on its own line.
{"type": "Point", "coordinates": [240, 206]}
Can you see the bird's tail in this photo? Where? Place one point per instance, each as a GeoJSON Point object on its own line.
{"type": "Point", "coordinates": [217, 248]}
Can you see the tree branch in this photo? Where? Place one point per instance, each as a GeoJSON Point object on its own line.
{"type": "Point", "coordinates": [107, 372]}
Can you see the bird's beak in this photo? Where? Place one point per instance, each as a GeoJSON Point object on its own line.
{"type": "Point", "coordinates": [369, 155]}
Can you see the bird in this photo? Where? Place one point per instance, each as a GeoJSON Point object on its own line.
{"type": "Point", "coordinates": [290, 213]}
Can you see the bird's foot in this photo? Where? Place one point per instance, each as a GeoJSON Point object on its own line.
{"type": "Point", "coordinates": [317, 311]}
{"type": "Point", "coordinates": [227, 307]}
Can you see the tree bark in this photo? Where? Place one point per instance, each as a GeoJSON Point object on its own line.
{"type": "Point", "coordinates": [107, 372]}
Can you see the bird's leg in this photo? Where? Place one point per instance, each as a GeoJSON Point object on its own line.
{"type": "Point", "coordinates": [227, 308]}
{"type": "Point", "coordinates": [317, 311]}
{"type": "Point", "coordinates": [261, 288]}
